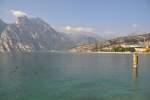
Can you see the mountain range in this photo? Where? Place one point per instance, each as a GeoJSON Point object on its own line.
{"type": "Point", "coordinates": [30, 34]}
{"type": "Point", "coordinates": [34, 34]}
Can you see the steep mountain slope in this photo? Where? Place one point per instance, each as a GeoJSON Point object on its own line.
{"type": "Point", "coordinates": [31, 34]}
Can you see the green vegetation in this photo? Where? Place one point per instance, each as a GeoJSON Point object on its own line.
{"type": "Point", "coordinates": [122, 49]}
{"type": "Point", "coordinates": [117, 48]}
{"type": "Point", "coordinates": [96, 48]}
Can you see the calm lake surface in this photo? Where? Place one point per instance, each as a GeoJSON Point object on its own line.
{"type": "Point", "coordinates": [66, 76]}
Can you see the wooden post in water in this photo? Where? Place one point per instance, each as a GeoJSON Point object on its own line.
{"type": "Point", "coordinates": [135, 60]}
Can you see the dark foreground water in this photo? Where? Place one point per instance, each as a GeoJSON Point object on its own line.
{"type": "Point", "coordinates": [62, 76]}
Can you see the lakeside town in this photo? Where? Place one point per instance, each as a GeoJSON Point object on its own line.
{"type": "Point", "coordinates": [139, 43]}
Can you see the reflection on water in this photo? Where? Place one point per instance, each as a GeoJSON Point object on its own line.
{"type": "Point", "coordinates": [134, 73]}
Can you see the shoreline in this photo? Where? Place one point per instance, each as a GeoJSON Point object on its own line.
{"type": "Point", "coordinates": [81, 52]}
{"type": "Point", "coordinates": [111, 52]}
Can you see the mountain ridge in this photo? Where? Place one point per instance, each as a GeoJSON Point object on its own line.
{"type": "Point", "coordinates": [31, 34]}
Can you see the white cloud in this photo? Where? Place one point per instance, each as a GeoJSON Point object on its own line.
{"type": "Point", "coordinates": [135, 25]}
{"type": "Point", "coordinates": [89, 31]}
{"type": "Point", "coordinates": [78, 29]}
{"type": "Point", "coordinates": [18, 13]}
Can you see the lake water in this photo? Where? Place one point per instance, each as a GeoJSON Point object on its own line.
{"type": "Point", "coordinates": [66, 76]}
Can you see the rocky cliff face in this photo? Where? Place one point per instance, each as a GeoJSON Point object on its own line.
{"type": "Point", "coordinates": [30, 34]}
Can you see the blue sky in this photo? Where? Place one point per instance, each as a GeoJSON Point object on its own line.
{"type": "Point", "coordinates": [116, 16]}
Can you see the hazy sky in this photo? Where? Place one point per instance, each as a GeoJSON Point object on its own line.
{"type": "Point", "coordinates": [116, 16]}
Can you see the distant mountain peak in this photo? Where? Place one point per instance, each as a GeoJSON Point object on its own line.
{"type": "Point", "coordinates": [21, 19]}
{"type": "Point", "coordinates": [31, 34]}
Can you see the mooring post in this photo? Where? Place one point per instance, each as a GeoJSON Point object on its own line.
{"type": "Point", "coordinates": [135, 60]}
